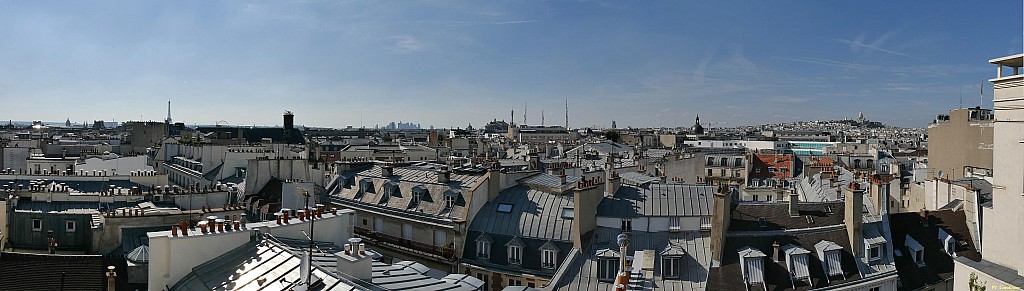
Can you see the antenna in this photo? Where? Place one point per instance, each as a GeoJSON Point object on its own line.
{"type": "Point", "coordinates": [524, 112]}
{"type": "Point", "coordinates": [542, 117]}
{"type": "Point", "coordinates": [981, 95]}
{"type": "Point", "coordinates": [567, 113]}
{"type": "Point", "coordinates": [961, 97]}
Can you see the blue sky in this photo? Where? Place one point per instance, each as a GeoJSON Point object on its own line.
{"type": "Point", "coordinates": [452, 63]}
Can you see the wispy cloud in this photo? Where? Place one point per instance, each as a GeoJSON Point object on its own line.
{"type": "Point", "coordinates": [790, 99]}
{"type": "Point", "coordinates": [857, 45]}
{"type": "Point", "coordinates": [405, 44]}
{"type": "Point", "coordinates": [469, 23]}
{"type": "Point", "coordinates": [906, 71]}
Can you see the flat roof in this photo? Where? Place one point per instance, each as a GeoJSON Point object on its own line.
{"type": "Point", "coordinates": [1013, 61]}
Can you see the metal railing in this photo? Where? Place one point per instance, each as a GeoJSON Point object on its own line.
{"type": "Point", "coordinates": [379, 237]}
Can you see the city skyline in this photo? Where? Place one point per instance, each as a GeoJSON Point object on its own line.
{"type": "Point", "coordinates": [366, 63]}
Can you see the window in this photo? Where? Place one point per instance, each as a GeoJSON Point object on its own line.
{"type": "Point", "coordinates": [771, 169]}
{"type": "Point", "coordinates": [919, 257]}
{"type": "Point", "coordinates": [37, 225]}
{"type": "Point", "coordinates": [722, 171]}
{"type": "Point", "coordinates": [449, 201]}
{"type": "Point", "coordinates": [875, 252]}
{"type": "Point", "coordinates": [705, 223]}
{"type": "Point", "coordinates": [739, 162]}
{"type": "Point", "coordinates": [711, 161]}
{"type": "Point", "coordinates": [606, 269]}
{"type": "Point", "coordinates": [673, 223]}
{"type": "Point", "coordinates": [415, 198]}
{"type": "Point", "coordinates": [548, 259]}
{"type": "Point", "coordinates": [724, 162]}
{"type": "Point", "coordinates": [515, 282]}
{"type": "Point", "coordinates": [671, 267]}
{"type": "Point", "coordinates": [483, 249]}
{"type": "Point", "coordinates": [515, 255]}
{"type": "Point", "coordinates": [483, 277]}
{"type": "Point", "coordinates": [69, 226]}
{"type": "Point", "coordinates": [627, 225]}
{"type": "Point", "coordinates": [568, 212]}
{"type": "Point", "coordinates": [504, 208]}
{"type": "Point", "coordinates": [875, 289]}
{"type": "Point", "coordinates": [711, 172]}
{"type": "Point", "coordinates": [757, 170]}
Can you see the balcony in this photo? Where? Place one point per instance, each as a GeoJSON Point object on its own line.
{"type": "Point", "coordinates": [399, 243]}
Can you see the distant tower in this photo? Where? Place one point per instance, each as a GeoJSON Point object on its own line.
{"type": "Point", "coordinates": [613, 124]}
{"type": "Point", "coordinates": [697, 128]}
{"type": "Point", "coordinates": [68, 123]}
{"type": "Point", "coordinates": [566, 113]}
{"type": "Point", "coordinates": [289, 120]}
{"type": "Point", "coordinates": [168, 120]}
{"type": "Point", "coordinates": [860, 117]}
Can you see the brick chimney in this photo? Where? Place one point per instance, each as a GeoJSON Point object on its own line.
{"type": "Point", "coordinates": [720, 222]}
{"type": "Point", "coordinates": [854, 217]}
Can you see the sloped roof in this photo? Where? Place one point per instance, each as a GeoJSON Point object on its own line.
{"type": "Point", "coordinates": [658, 200]}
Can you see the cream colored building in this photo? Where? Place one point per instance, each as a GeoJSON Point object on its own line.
{"type": "Point", "coordinates": [1002, 265]}
{"type": "Point", "coordinates": [959, 139]}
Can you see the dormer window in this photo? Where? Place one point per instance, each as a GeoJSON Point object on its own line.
{"type": "Point", "coordinates": [607, 264]}
{"type": "Point", "coordinates": [366, 185]}
{"type": "Point", "coordinates": [830, 254]}
{"type": "Point", "coordinates": [948, 242]}
{"type": "Point", "coordinates": [391, 189]}
{"type": "Point", "coordinates": [916, 250]}
{"type": "Point", "coordinates": [515, 251]}
{"type": "Point", "coordinates": [796, 261]}
{"type": "Point", "coordinates": [672, 261]}
{"type": "Point", "coordinates": [483, 246]}
{"type": "Point", "coordinates": [451, 198]}
{"type": "Point", "coordinates": [752, 265]}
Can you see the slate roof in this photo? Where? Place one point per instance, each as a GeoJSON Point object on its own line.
{"type": "Point", "coordinates": [346, 190]}
{"type": "Point", "coordinates": [776, 276]}
{"type": "Point", "coordinates": [938, 265]}
{"type": "Point", "coordinates": [696, 260]}
{"type": "Point", "coordinates": [535, 220]}
{"type": "Point", "coordinates": [658, 200]}
{"type": "Point", "coordinates": [746, 216]}
{"type": "Point", "coordinates": [47, 272]}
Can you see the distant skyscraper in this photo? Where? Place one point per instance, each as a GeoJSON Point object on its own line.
{"type": "Point", "coordinates": [613, 124]}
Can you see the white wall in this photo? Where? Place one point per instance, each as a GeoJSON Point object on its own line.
{"type": "Point", "coordinates": [173, 257]}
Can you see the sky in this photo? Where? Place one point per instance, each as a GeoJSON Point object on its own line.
{"type": "Point", "coordinates": [455, 63]}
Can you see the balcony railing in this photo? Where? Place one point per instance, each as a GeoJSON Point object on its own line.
{"type": "Point", "coordinates": [398, 242]}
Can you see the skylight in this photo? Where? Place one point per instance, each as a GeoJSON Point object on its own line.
{"type": "Point", "coordinates": [568, 212]}
{"type": "Point", "coordinates": [505, 208]}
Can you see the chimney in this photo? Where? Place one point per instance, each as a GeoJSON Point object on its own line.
{"type": "Point", "coordinates": [444, 176]}
{"type": "Point", "coordinates": [924, 217]}
{"type": "Point", "coordinates": [387, 171]}
{"type": "Point", "coordinates": [585, 199]}
{"type": "Point", "coordinates": [493, 182]}
{"type": "Point", "coordinates": [775, 252]}
{"type": "Point", "coordinates": [720, 222]}
{"type": "Point", "coordinates": [854, 218]}
{"type": "Point", "coordinates": [561, 177]}
{"type": "Point", "coordinates": [355, 263]}
{"type": "Point", "coordinates": [289, 120]}
{"type": "Point", "coordinates": [111, 279]}
{"type": "Point", "coordinates": [794, 200]}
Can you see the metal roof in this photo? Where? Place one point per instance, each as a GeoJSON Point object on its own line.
{"type": "Point", "coordinates": [694, 246]}
{"type": "Point", "coordinates": [535, 214]}
{"type": "Point", "coordinates": [658, 200]}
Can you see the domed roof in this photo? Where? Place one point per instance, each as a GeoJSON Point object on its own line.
{"type": "Point", "coordinates": [697, 128]}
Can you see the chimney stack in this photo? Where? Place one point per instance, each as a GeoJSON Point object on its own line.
{"type": "Point", "coordinates": [854, 217]}
{"type": "Point", "coordinates": [794, 200]}
{"type": "Point", "coordinates": [720, 222]}
{"type": "Point", "coordinates": [444, 176]}
{"type": "Point", "coordinates": [924, 217]}
{"type": "Point", "coordinates": [111, 279]}
{"type": "Point", "coordinates": [387, 171]}
{"type": "Point", "coordinates": [355, 261]}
